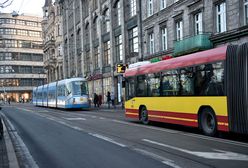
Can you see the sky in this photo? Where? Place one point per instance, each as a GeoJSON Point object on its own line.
{"type": "Point", "coordinates": [33, 7]}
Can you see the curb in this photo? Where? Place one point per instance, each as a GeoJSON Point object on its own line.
{"type": "Point", "coordinates": [13, 163]}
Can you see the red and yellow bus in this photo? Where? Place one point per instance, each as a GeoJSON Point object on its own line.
{"type": "Point", "coordinates": [208, 90]}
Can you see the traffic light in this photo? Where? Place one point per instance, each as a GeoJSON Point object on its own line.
{"type": "Point", "coordinates": [121, 68]}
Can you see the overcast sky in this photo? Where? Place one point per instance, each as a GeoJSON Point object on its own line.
{"type": "Point", "coordinates": [33, 7]}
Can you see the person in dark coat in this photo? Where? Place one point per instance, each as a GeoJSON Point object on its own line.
{"type": "Point", "coordinates": [108, 99]}
{"type": "Point", "coordinates": [99, 100]}
{"type": "Point", "coordinates": [96, 100]}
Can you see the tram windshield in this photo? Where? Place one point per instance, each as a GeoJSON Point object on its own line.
{"type": "Point", "coordinates": [79, 88]}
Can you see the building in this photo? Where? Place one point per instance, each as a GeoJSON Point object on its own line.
{"type": "Point", "coordinates": [21, 56]}
{"type": "Point", "coordinates": [100, 34]}
{"type": "Point", "coordinates": [52, 40]}
{"type": "Point", "coordinates": [178, 27]}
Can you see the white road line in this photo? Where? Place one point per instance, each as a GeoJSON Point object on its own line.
{"type": "Point", "coordinates": [218, 154]}
{"type": "Point", "coordinates": [74, 119]}
{"type": "Point", "coordinates": [230, 142]}
{"type": "Point", "coordinates": [102, 118]}
{"type": "Point", "coordinates": [157, 157]}
{"type": "Point", "coordinates": [107, 139]}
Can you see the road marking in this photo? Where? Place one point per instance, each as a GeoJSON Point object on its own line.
{"type": "Point", "coordinates": [74, 119]}
{"type": "Point", "coordinates": [107, 139]}
{"type": "Point", "coordinates": [102, 118]}
{"type": "Point", "coordinates": [219, 154]}
{"type": "Point", "coordinates": [230, 142]}
{"type": "Point", "coordinates": [157, 157]}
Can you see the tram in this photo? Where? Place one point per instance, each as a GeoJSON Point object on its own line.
{"type": "Point", "coordinates": [68, 94]}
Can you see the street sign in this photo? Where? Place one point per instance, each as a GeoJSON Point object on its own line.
{"type": "Point", "coordinates": [121, 68]}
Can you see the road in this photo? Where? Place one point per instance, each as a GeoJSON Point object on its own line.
{"type": "Point", "coordinates": [103, 138]}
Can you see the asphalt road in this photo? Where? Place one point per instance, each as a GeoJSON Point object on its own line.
{"type": "Point", "coordinates": [104, 138]}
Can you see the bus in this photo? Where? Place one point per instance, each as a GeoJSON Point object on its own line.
{"type": "Point", "coordinates": [207, 89]}
{"type": "Point", "coordinates": [67, 94]}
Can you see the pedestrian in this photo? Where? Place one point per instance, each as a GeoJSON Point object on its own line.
{"type": "Point", "coordinates": [99, 100]}
{"type": "Point", "coordinates": [9, 100]}
{"type": "Point", "coordinates": [122, 103]}
{"type": "Point", "coordinates": [113, 99]}
{"type": "Point", "coordinates": [108, 99]}
{"type": "Point", "coordinates": [96, 101]}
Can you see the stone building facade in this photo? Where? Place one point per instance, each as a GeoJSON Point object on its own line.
{"type": "Point", "coordinates": [100, 34]}
{"type": "Point", "coordinates": [52, 39]}
{"type": "Point", "coordinates": [21, 56]}
{"type": "Point", "coordinates": [178, 27]}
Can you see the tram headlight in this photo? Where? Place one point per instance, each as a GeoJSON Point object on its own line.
{"type": "Point", "coordinates": [83, 99]}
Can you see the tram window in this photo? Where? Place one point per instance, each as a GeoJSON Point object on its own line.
{"type": "Point", "coordinates": [170, 83]}
{"type": "Point", "coordinates": [153, 84]}
{"type": "Point", "coordinates": [141, 90]}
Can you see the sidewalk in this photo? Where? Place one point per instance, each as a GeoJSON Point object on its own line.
{"type": "Point", "coordinates": [118, 108]}
{"type": "Point", "coordinates": [4, 163]}
{"type": "Point", "coordinates": [7, 153]}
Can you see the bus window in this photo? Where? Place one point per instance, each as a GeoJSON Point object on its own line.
{"type": "Point", "coordinates": [210, 79]}
{"type": "Point", "coordinates": [170, 83]}
{"type": "Point", "coordinates": [187, 78]}
{"type": "Point", "coordinates": [130, 88]}
{"type": "Point", "coordinates": [153, 84]}
{"type": "Point", "coordinates": [141, 90]}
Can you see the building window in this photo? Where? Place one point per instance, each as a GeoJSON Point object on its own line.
{"type": "Point", "coordinates": [87, 62]}
{"type": "Point", "coordinates": [95, 28]}
{"type": "Point", "coordinates": [96, 53]}
{"type": "Point", "coordinates": [106, 47]}
{"type": "Point", "coordinates": [118, 47]}
{"type": "Point", "coordinates": [179, 30]}
{"type": "Point", "coordinates": [106, 21]}
{"type": "Point", "coordinates": [164, 38]}
{"type": "Point", "coordinates": [198, 23]}
{"type": "Point", "coordinates": [151, 43]}
{"type": "Point", "coordinates": [162, 4]}
{"type": "Point", "coordinates": [221, 17]}
{"type": "Point", "coordinates": [118, 13]}
{"type": "Point", "coordinates": [246, 11]}
{"type": "Point", "coordinates": [133, 40]}
{"type": "Point", "coordinates": [133, 10]}
{"type": "Point", "coordinates": [150, 8]}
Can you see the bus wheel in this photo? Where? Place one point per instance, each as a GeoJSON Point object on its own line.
{"type": "Point", "coordinates": [144, 115]}
{"type": "Point", "coordinates": [208, 122]}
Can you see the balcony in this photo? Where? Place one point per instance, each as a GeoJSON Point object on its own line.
{"type": "Point", "coordinates": [192, 44]}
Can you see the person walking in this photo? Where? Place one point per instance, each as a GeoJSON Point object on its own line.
{"type": "Point", "coordinates": [96, 103]}
{"type": "Point", "coordinates": [113, 99]}
{"type": "Point", "coordinates": [99, 100]}
{"type": "Point", "coordinates": [108, 99]}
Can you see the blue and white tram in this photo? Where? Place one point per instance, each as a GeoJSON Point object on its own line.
{"type": "Point", "coordinates": [67, 93]}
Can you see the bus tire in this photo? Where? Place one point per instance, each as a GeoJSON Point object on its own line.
{"type": "Point", "coordinates": [144, 115]}
{"type": "Point", "coordinates": [208, 122]}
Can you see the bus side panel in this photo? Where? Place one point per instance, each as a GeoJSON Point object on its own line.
{"type": "Point", "coordinates": [179, 110]}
